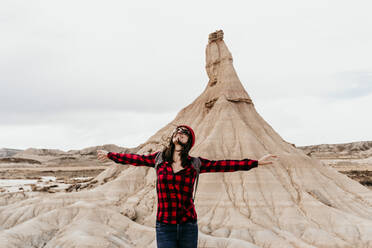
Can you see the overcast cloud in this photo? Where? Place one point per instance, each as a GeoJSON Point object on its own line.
{"type": "Point", "coordinates": [83, 73]}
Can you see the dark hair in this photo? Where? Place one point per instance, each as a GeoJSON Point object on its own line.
{"type": "Point", "coordinates": [169, 150]}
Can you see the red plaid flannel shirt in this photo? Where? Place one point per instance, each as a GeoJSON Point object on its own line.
{"type": "Point", "coordinates": [174, 190]}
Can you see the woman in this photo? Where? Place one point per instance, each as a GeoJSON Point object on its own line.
{"type": "Point", "coordinates": [176, 219]}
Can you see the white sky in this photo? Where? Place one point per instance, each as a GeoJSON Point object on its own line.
{"type": "Point", "coordinates": [76, 73]}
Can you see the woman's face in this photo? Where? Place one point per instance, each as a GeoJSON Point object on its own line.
{"type": "Point", "coordinates": [180, 138]}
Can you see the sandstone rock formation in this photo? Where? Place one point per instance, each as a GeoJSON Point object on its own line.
{"type": "Point", "coordinates": [296, 202]}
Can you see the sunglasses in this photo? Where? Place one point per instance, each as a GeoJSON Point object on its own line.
{"type": "Point", "coordinates": [182, 130]}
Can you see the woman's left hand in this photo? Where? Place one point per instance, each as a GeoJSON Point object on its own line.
{"type": "Point", "coordinates": [266, 159]}
{"type": "Point", "coordinates": [102, 155]}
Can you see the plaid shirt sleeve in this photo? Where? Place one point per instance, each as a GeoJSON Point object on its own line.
{"type": "Point", "coordinates": [226, 165]}
{"type": "Point", "coordinates": [133, 159]}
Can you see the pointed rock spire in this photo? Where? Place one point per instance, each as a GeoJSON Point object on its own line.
{"type": "Point", "coordinates": [223, 79]}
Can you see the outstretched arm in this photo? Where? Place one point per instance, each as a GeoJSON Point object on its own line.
{"type": "Point", "coordinates": [234, 165]}
{"type": "Point", "coordinates": [228, 165]}
{"type": "Point", "coordinates": [129, 158]}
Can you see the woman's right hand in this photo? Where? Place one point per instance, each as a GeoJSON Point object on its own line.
{"type": "Point", "coordinates": [266, 159]}
{"type": "Point", "coordinates": [102, 155]}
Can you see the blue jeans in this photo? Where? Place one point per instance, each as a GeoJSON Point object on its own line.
{"type": "Point", "coordinates": [183, 235]}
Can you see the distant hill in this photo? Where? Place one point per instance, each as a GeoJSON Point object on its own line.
{"type": "Point", "coordinates": [8, 152]}
{"type": "Point", "coordinates": [352, 150]}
